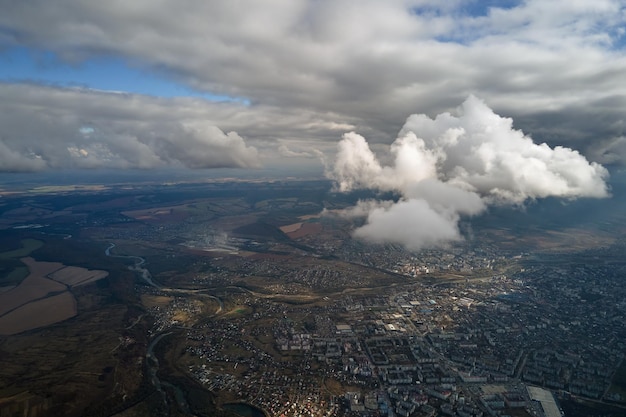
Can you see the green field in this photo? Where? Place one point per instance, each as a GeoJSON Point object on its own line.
{"type": "Point", "coordinates": [14, 276]}
{"type": "Point", "coordinates": [28, 246]}
{"type": "Point", "coordinates": [12, 271]}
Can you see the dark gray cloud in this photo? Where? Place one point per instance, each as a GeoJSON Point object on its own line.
{"type": "Point", "coordinates": [364, 66]}
{"type": "Point", "coordinates": [49, 127]}
{"type": "Point", "coordinates": [58, 128]}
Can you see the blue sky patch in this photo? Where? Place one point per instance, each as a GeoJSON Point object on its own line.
{"type": "Point", "coordinates": [478, 8]}
{"type": "Point", "coordinates": [20, 64]}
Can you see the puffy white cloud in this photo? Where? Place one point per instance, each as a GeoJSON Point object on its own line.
{"type": "Point", "coordinates": [446, 197]}
{"type": "Point", "coordinates": [361, 209]}
{"type": "Point", "coordinates": [413, 223]}
{"type": "Point", "coordinates": [356, 165]}
{"type": "Point", "coordinates": [450, 166]}
{"type": "Point", "coordinates": [205, 146]}
{"type": "Point", "coordinates": [480, 150]}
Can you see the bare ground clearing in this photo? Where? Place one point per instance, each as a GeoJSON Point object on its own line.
{"type": "Point", "coordinates": [75, 276]}
{"type": "Point", "coordinates": [39, 313]}
{"type": "Point", "coordinates": [34, 286]}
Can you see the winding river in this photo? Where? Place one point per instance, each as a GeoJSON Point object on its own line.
{"type": "Point", "coordinates": [138, 267]}
{"type": "Point", "coordinates": [152, 363]}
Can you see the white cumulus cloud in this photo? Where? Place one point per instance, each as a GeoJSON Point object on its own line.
{"type": "Point", "coordinates": [450, 166]}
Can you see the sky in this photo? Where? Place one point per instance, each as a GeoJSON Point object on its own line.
{"type": "Point", "coordinates": [375, 94]}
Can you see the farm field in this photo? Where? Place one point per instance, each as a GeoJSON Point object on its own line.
{"type": "Point", "coordinates": [34, 287]}
{"type": "Point", "coordinates": [74, 276]}
{"type": "Point", "coordinates": [43, 298]}
{"type": "Point", "coordinates": [40, 313]}
{"type": "Point", "coordinates": [28, 246]}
